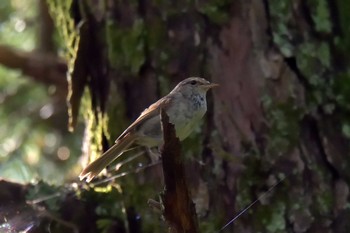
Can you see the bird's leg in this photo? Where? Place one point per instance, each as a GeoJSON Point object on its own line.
{"type": "Point", "coordinates": [128, 159]}
{"type": "Point", "coordinates": [156, 206]}
{"type": "Point", "coordinates": [153, 154]}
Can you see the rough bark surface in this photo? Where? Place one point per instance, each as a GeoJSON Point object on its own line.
{"type": "Point", "coordinates": [179, 209]}
{"type": "Point", "coordinates": [281, 111]}
{"type": "Point", "coordinates": [276, 113]}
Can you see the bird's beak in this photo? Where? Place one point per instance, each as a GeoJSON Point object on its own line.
{"type": "Point", "coordinates": [210, 85]}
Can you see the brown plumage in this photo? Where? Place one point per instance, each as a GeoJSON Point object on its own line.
{"type": "Point", "coordinates": [185, 105]}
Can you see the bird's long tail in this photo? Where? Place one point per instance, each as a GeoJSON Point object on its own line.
{"type": "Point", "coordinates": [94, 168]}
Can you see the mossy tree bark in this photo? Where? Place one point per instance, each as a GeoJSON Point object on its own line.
{"type": "Point", "coordinates": [282, 108]}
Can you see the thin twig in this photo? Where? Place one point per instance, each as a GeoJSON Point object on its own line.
{"type": "Point", "coordinates": [251, 204]}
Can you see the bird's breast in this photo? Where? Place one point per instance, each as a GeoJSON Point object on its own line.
{"type": "Point", "coordinates": [185, 114]}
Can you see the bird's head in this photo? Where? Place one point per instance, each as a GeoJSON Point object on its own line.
{"type": "Point", "coordinates": [195, 85]}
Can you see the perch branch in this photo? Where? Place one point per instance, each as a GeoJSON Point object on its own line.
{"type": "Point", "coordinates": [179, 209]}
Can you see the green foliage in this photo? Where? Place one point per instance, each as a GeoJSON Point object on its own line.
{"type": "Point", "coordinates": [136, 191]}
{"type": "Point", "coordinates": [112, 202]}
{"type": "Point", "coordinates": [30, 140]}
{"type": "Point", "coordinates": [43, 191]}
{"type": "Point", "coordinates": [109, 205]}
{"type": "Point", "coordinates": [109, 201]}
{"type": "Point", "coordinates": [103, 224]}
{"type": "Point", "coordinates": [15, 18]}
{"type": "Point", "coordinates": [6, 9]}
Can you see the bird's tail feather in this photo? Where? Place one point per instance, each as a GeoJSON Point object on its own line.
{"type": "Point", "coordinates": [94, 168]}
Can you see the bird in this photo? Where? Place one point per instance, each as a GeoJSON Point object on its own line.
{"type": "Point", "coordinates": [185, 105]}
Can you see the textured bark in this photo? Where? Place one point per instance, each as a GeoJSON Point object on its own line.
{"type": "Point", "coordinates": [179, 209]}
{"type": "Point", "coordinates": [308, 145]}
{"type": "Point", "coordinates": [282, 108]}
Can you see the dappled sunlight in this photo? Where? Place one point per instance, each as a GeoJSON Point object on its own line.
{"type": "Point", "coordinates": [34, 140]}
{"type": "Point", "coordinates": [266, 151]}
{"type": "Point", "coordinates": [63, 153]}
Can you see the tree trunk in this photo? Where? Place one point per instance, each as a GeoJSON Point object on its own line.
{"type": "Point", "coordinates": [281, 110]}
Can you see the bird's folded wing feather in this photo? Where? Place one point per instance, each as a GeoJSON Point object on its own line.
{"type": "Point", "coordinates": [148, 113]}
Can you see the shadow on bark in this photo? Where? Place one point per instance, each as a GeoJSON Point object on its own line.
{"type": "Point", "coordinates": [179, 209]}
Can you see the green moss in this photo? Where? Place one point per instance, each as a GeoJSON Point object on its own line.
{"type": "Point", "coordinates": [217, 11]}
{"type": "Point", "coordinates": [270, 218]}
{"type": "Point", "coordinates": [116, 115]}
{"type": "Point", "coordinates": [280, 15]}
{"type": "Point", "coordinates": [341, 79]}
{"type": "Point", "coordinates": [66, 27]}
{"type": "Point", "coordinates": [283, 118]}
{"type": "Point", "coordinates": [281, 40]}
{"type": "Point", "coordinates": [342, 89]}
{"type": "Point", "coordinates": [324, 201]}
{"type": "Point", "coordinates": [60, 12]}
{"type": "Point", "coordinates": [277, 222]}
{"type": "Point", "coordinates": [321, 16]}
{"type": "Point", "coordinates": [251, 178]}
{"type": "Point", "coordinates": [346, 130]}
{"type": "Point", "coordinates": [96, 126]}
{"type": "Point", "coordinates": [210, 226]}
{"type": "Point", "coordinates": [313, 54]}
{"type": "Point", "coordinates": [126, 46]}
{"type": "Point", "coordinates": [343, 42]}
{"type": "Point", "coordinates": [313, 58]}
{"type": "Point", "coordinates": [244, 196]}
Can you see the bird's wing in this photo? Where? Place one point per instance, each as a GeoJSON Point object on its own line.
{"type": "Point", "coordinates": [148, 113]}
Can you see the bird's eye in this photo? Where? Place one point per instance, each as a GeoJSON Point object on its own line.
{"type": "Point", "coordinates": [194, 82]}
